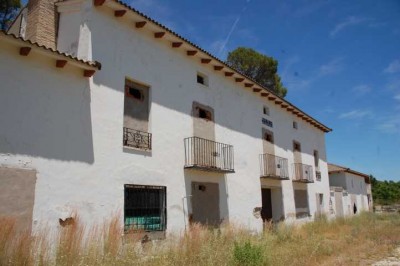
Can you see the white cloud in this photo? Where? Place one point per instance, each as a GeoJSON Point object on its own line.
{"type": "Point", "coordinates": [390, 125]}
{"type": "Point", "coordinates": [332, 67]}
{"type": "Point", "coordinates": [349, 21]}
{"type": "Point", "coordinates": [356, 114]}
{"type": "Point", "coordinates": [361, 89]}
{"type": "Point", "coordinates": [394, 67]}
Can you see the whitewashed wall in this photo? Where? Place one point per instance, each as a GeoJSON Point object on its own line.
{"type": "Point", "coordinates": [82, 164]}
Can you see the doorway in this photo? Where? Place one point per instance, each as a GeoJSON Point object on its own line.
{"type": "Point", "coordinates": [205, 203]}
{"type": "Point", "coordinates": [266, 210]}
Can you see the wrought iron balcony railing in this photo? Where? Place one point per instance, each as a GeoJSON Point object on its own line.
{"type": "Point", "coordinates": [303, 173]}
{"type": "Point", "coordinates": [208, 155]}
{"type": "Point", "coordinates": [273, 166]}
{"type": "Point", "coordinates": [137, 139]}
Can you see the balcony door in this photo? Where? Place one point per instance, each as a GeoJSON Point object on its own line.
{"type": "Point", "coordinates": [266, 210]}
{"type": "Point", "coordinates": [205, 203]}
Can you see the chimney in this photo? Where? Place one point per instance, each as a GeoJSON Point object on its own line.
{"type": "Point", "coordinates": [42, 23]}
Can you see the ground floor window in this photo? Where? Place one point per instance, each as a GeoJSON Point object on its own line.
{"type": "Point", "coordinates": [145, 208]}
{"type": "Point", "coordinates": [301, 203]}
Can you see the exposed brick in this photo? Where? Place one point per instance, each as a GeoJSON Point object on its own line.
{"type": "Point", "coordinates": [42, 22]}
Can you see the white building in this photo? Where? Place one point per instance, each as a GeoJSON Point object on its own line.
{"type": "Point", "coordinates": [160, 133]}
{"type": "Point", "coordinates": [350, 191]}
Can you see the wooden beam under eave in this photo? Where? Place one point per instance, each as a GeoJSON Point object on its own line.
{"type": "Point", "coordinates": [176, 44]}
{"type": "Point", "coordinates": [264, 94]}
{"type": "Point", "coordinates": [284, 105]}
{"type": "Point", "coordinates": [278, 101]}
{"type": "Point", "coordinates": [229, 74]}
{"type": "Point", "coordinates": [248, 85]}
{"type": "Point", "coordinates": [61, 63]}
{"type": "Point", "coordinates": [271, 98]}
{"type": "Point", "coordinates": [205, 60]}
{"type": "Point", "coordinates": [24, 51]}
{"type": "Point", "coordinates": [159, 35]}
{"type": "Point", "coordinates": [119, 13]}
{"type": "Point", "coordinates": [295, 112]}
{"type": "Point", "coordinates": [258, 90]}
{"type": "Point", "coordinates": [191, 52]}
{"type": "Point", "coordinates": [140, 24]}
{"type": "Point", "coordinates": [88, 73]}
{"type": "Point", "coordinates": [290, 108]}
{"type": "Point", "coordinates": [218, 68]}
{"type": "Point", "coordinates": [239, 79]}
{"type": "Point", "coordinates": [98, 2]}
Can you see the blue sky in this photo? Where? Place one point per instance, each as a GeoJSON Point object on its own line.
{"type": "Point", "coordinates": [340, 61]}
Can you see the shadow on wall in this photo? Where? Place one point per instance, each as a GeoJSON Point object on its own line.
{"type": "Point", "coordinates": [52, 121]}
{"type": "Point", "coordinates": [207, 197]}
{"type": "Point", "coordinates": [139, 61]}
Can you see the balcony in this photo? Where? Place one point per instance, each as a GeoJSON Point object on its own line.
{"type": "Point", "coordinates": [303, 173]}
{"type": "Point", "coordinates": [208, 155]}
{"type": "Point", "coordinates": [275, 167]}
{"type": "Point", "coordinates": [137, 139]}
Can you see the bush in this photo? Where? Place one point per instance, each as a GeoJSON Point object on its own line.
{"type": "Point", "coordinates": [248, 254]}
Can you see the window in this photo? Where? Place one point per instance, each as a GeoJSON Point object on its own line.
{"type": "Point", "coordinates": [266, 110]}
{"type": "Point", "coordinates": [301, 203]}
{"type": "Point", "coordinates": [269, 136]}
{"type": "Point", "coordinates": [134, 93]}
{"type": "Point", "coordinates": [295, 125]}
{"type": "Point", "coordinates": [316, 158]}
{"type": "Point", "coordinates": [204, 114]}
{"type": "Point", "coordinates": [202, 79]}
{"type": "Point", "coordinates": [145, 208]}
{"type": "Point", "coordinates": [296, 146]}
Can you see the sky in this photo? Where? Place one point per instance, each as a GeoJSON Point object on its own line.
{"type": "Point", "coordinates": [340, 61]}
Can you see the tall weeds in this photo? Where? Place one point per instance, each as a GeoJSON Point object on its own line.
{"type": "Point", "coordinates": [362, 239]}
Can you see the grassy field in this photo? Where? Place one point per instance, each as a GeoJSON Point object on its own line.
{"type": "Point", "coordinates": [358, 240]}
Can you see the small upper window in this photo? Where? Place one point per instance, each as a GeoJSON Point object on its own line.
{"type": "Point", "coordinates": [316, 158]}
{"type": "Point", "coordinates": [296, 146]}
{"type": "Point", "coordinates": [205, 114]}
{"type": "Point", "coordinates": [295, 126]}
{"type": "Point", "coordinates": [266, 110]}
{"type": "Point", "coordinates": [269, 136]}
{"type": "Point", "coordinates": [202, 79]}
{"type": "Point", "coordinates": [134, 93]}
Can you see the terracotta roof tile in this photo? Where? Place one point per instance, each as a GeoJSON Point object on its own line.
{"type": "Point", "coordinates": [92, 64]}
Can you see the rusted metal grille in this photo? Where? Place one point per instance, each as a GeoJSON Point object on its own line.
{"type": "Point", "coordinates": [208, 155]}
{"type": "Point", "coordinates": [145, 208]}
{"type": "Point", "coordinates": [137, 139]}
{"type": "Point", "coordinates": [273, 166]}
{"type": "Point", "coordinates": [303, 173]}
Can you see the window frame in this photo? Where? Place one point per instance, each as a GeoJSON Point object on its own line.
{"type": "Point", "coordinates": [151, 196]}
{"type": "Point", "coordinates": [204, 77]}
{"type": "Point", "coordinates": [266, 110]}
{"type": "Point", "coordinates": [295, 143]}
{"type": "Point", "coordinates": [129, 95]}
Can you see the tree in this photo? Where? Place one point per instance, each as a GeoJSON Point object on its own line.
{"type": "Point", "coordinates": [8, 11]}
{"type": "Point", "coordinates": [257, 66]}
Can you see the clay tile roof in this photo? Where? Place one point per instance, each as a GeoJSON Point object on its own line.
{"type": "Point", "coordinates": [91, 64]}
{"type": "Point", "coordinates": [334, 168]}
{"type": "Point", "coordinates": [325, 128]}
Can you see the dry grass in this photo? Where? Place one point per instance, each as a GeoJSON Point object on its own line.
{"type": "Point", "coordinates": [359, 240]}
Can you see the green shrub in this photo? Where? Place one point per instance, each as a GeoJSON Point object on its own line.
{"type": "Point", "coordinates": [248, 254]}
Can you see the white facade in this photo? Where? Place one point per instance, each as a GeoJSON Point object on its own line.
{"type": "Point", "coordinates": [69, 128]}
{"type": "Point", "coordinates": [356, 192]}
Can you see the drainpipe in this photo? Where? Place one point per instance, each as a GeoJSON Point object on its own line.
{"type": "Point", "coordinates": [183, 207]}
